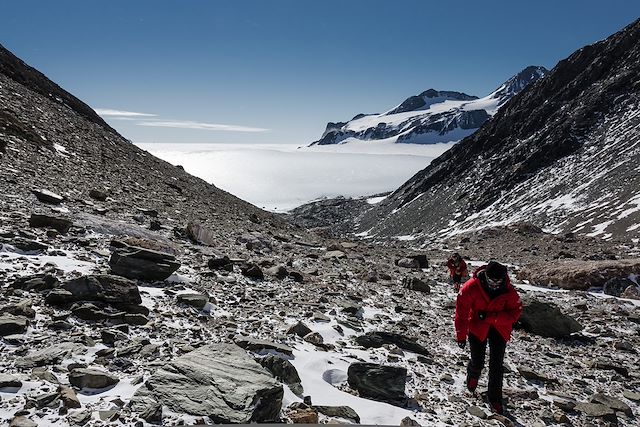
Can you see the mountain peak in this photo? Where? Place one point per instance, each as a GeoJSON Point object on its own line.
{"type": "Point", "coordinates": [518, 82]}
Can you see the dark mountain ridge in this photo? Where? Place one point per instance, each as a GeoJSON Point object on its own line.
{"type": "Point", "coordinates": [586, 100]}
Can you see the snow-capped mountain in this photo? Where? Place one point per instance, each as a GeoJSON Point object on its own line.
{"type": "Point", "coordinates": [430, 117]}
{"type": "Point", "coordinates": [563, 154]}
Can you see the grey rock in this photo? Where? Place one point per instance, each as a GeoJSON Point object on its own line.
{"type": "Point", "coordinates": [314, 338]}
{"type": "Point", "coordinates": [379, 382]}
{"type": "Point", "coordinates": [194, 300]}
{"type": "Point", "coordinates": [22, 421]}
{"type": "Point", "coordinates": [105, 288]}
{"type": "Point", "coordinates": [135, 262]}
{"type": "Point", "coordinates": [377, 339]}
{"type": "Point", "coordinates": [612, 402]}
{"type": "Point", "coordinates": [283, 370]}
{"type": "Point", "coordinates": [409, 422]}
{"type": "Point", "coordinates": [595, 410]}
{"type": "Point", "coordinates": [338, 412]}
{"type": "Point", "coordinates": [49, 355]}
{"type": "Point", "coordinates": [200, 234]}
{"type": "Point", "coordinates": [278, 271]}
{"type": "Point", "coordinates": [68, 397]}
{"type": "Point", "coordinates": [7, 380]}
{"type": "Point", "coordinates": [546, 320]}
{"type": "Point", "coordinates": [415, 284]}
{"type": "Point", "coordinates": [257, 345]}
{"type": "Point", "coordinates": [219, 381]}
{"type": "Point", "coordinates": [10, 324]}
{"type": "Point", "coordinates": [36, 282]}
{"type": "Point", "coordinates": [477, 411]}
{"type": "Point", "coordinates": [299, 329]}
{"type": "Point", "coordinates": [408, 263]}
{"type": "Point", "coordinates": [79, 418]}
{"type": "Point", "coordinates": [252, 271]}
{"type": "Point", "coordinates": [47, 221]}
{"type": "Point", "coordinates": [46, 196]}
{"type": "Point", "coordinates": [91, 378]}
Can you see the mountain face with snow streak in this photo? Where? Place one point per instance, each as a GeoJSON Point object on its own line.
{"type": "Point", "coordinates": [563, 154]}
{"type": "Point", "coordinates": [430, 117]}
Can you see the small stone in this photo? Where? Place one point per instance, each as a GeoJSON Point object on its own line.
{"type": "Point", "coordinates": [68, 397]}
{"type": "Point", "coordinates": [314, 338]}
{"type": "Point", "coordinates": [477, 411]}
{"type": "Point", "coordinates": [299, 329]}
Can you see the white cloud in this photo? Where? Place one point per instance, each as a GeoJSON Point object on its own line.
{"type": "Point", "coordinates": [107, 112]}
{"type": "Point", "coordinates": [202, 126]}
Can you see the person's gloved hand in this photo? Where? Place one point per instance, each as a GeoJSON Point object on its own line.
{"type": "Point", "coordinates": [462, 343]}
{"type": "Point", "coordinates": [482, 315]}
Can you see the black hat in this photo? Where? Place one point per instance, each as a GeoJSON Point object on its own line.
{"type": "Point", "coordinates": [496, 271]}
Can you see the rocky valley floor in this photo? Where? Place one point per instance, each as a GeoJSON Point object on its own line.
{"type": "Point", "coordinates": [341, 332]}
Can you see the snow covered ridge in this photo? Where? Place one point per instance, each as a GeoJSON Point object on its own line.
{"type": "Point", "coordinates": [430, 117]}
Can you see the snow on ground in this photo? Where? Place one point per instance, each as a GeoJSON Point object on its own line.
{"type": "Point", "coordinates": [279, 177]}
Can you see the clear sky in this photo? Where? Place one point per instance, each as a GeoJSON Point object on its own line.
{"type": "Point", "coordinates": [277, 71]}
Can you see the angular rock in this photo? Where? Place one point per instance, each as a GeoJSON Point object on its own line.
{"type": "Point", "coordinates": [338, 412]}
{"type": "Point", "coordinates": [334, 255]}
{"type": "Point", "coordinates": [36, 282]}
{"type": "Point", "coordinates": [220, 263]}
{"type": "Point", "coordinates": [194, 300]}
{"type": "Point", "coordinates": [49, 355]}
{"type": "Point", "coordinates": [256, 345]}
{"type": "Point", "coordinates": [22, 421]}
{"type": "Point", "coordinates": [252, 271]}
{"type": "Point", "coordinates": [91, 378]}
{"type": "Point", "coordinates": [612, 402]}
{"type": "Point", "coordinates": [219, 381]}
{"type": "Point", "coordinates": [135, 262]}
{"type": "Point", "coordinates": [27, 245]}
{"type": "Point", "coordinates": [415, 284]}
{"type": "Point", "coordinates": [46, 196]}
{"type": "Point", "coordinates": [299, 329]}
{"type": "Point", "coordinates": [303, 416]}
{"type": "Point", "coordinates": [201, 234]}
{"type": "Point", "coordinates": [409, 422]}
{"type": "Point", "coordinates": [283, 370]}
{"type": "Point", "coordinates": [10, 324]}
{"type": "Point", "coordinates": [7, 380]}
{"type": "Point", "coordinates": [546, 320]}
{"type": "Point", "coordinates": [105, 288]}
{"type": "Point", "coordinates": [378, 382]}
{"type": "Point", "coordinates": [98, 195]}
{"type": "Point", "coordinates": [377, 339]}
{"type": "Point", "coordinates": [616, 286]}
{"type": "Point", "coordinates": [68, 397]}
{"type": "Point", "coordinates": [314, 338]}
{"type": "Point", "coordinates": [408, 263]}
{"type": "Point", "coordinates": [595, 410]}
{"type": "Point", "coordinates": [47, 221]}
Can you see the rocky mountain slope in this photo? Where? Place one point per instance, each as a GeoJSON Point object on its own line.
{"type": "Point", "coordinates": [430, 117]}
{"type": "Point", "coordinates": [564, 154]}
{"type": "Point", "coordinates": [135, 294]}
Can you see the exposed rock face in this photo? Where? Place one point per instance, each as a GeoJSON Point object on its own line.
{"type": "Point", "coordinates": [139, 263]}
{"type": "Point", "coordinates": [577, 274]}
{"type": "Point", "coordinates": [219, 381]}
{"type": "Point", "coordinates": [547, 320]}
{"type": "Point", "coordinates": [386, 383]}
{"type": "Point", "coordinates": [529, 163]}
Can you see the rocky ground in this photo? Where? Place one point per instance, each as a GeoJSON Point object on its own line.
{"type": "Point", "coordinates": [82, 346]}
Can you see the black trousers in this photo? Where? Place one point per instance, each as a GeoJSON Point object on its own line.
{"type": "Point", "coordinates": [497, 347]}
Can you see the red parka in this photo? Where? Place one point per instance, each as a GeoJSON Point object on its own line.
{"type": "Point", "coordinates": [460, 269]}
{"type": "Point", "coordinates": [501, 312]}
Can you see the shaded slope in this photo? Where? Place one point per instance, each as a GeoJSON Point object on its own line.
{"type": "Point", "coordinates": [586, 107]}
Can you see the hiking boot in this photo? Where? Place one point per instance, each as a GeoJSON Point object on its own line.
{"type": "Point", "coordinates": [497, 407]}
{"type": "Point", "coordinates": [472, 383]}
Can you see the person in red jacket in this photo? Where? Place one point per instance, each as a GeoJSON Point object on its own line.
{"type": "Point", "coordinates": [486, 309]}
{"type": "Point", "coordinates": [457, 270]}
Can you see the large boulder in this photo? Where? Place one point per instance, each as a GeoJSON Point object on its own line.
{"type": "Point", "coordinates": [91, 378]}
{"type": "Point", "coordinates": [377, 339]}
{"type": "Point", "coordinates": [105, 288]}
{"type": "Point", "coordinates": [378, 382]}
{"type": "Point", "coordinates": [201, 234]}
{"type": "Point", "coordinates": [46, 196]}
{"type": "Point", "coordinates": [47, 221]}
{"type": "Point", "coordinates": [546, 320]}
{"type": "Point", "coordinates": [219, 381]}
{"type": "Point", "coordinates": [134, 262]}
{"type": "Point", "coordinates": [577, 274]}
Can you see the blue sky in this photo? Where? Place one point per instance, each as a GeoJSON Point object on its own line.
{"type": "Point", "coordinates": [276, 71]}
